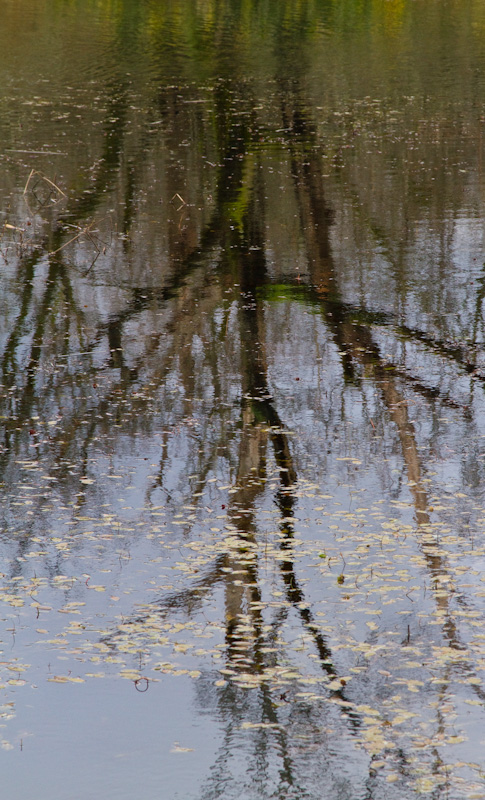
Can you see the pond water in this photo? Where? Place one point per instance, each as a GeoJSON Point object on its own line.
{"type": "Point", "coordinates": [242, 373]}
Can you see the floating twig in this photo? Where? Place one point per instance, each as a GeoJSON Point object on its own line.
{"type": "Point", "coordinates": [179, 197]}
{"type": "Point", "coordinates": [84, 231]}
{"type": "Point", "coordinates": [44, 178]}
{"type": "Point", "coordinates": [13, 227]}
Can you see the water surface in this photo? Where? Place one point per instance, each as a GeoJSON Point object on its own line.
{"type": "Point", "coordinates": [242, 399]}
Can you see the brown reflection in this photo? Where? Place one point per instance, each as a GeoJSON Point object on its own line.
{"type": "Point", "coordinates": [357, 346]}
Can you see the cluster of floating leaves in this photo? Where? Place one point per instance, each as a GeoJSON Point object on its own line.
{"type": "Point", "coordinates": [374, 591]}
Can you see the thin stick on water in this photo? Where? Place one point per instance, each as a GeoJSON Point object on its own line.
{"type": "Point", "coordinates": [28, 181]}
{"type": "Point", "coordinates": [44, 178]}
{"type": "Point", "coordinates": [53, 184]}
{"type": "Point", "coordinates": [180, 198]}
{"type": "Point", "coordinates": [73, 239]}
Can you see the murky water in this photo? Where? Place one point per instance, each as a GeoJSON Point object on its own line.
{"type": "Point", "coordinates": [242, 353]}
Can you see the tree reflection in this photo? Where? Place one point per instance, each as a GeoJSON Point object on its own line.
{"type": "Point", "coordinates": [182, 346]}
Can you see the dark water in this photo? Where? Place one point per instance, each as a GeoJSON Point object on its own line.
{"type": "Point", "coordinates": [242, 373]}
